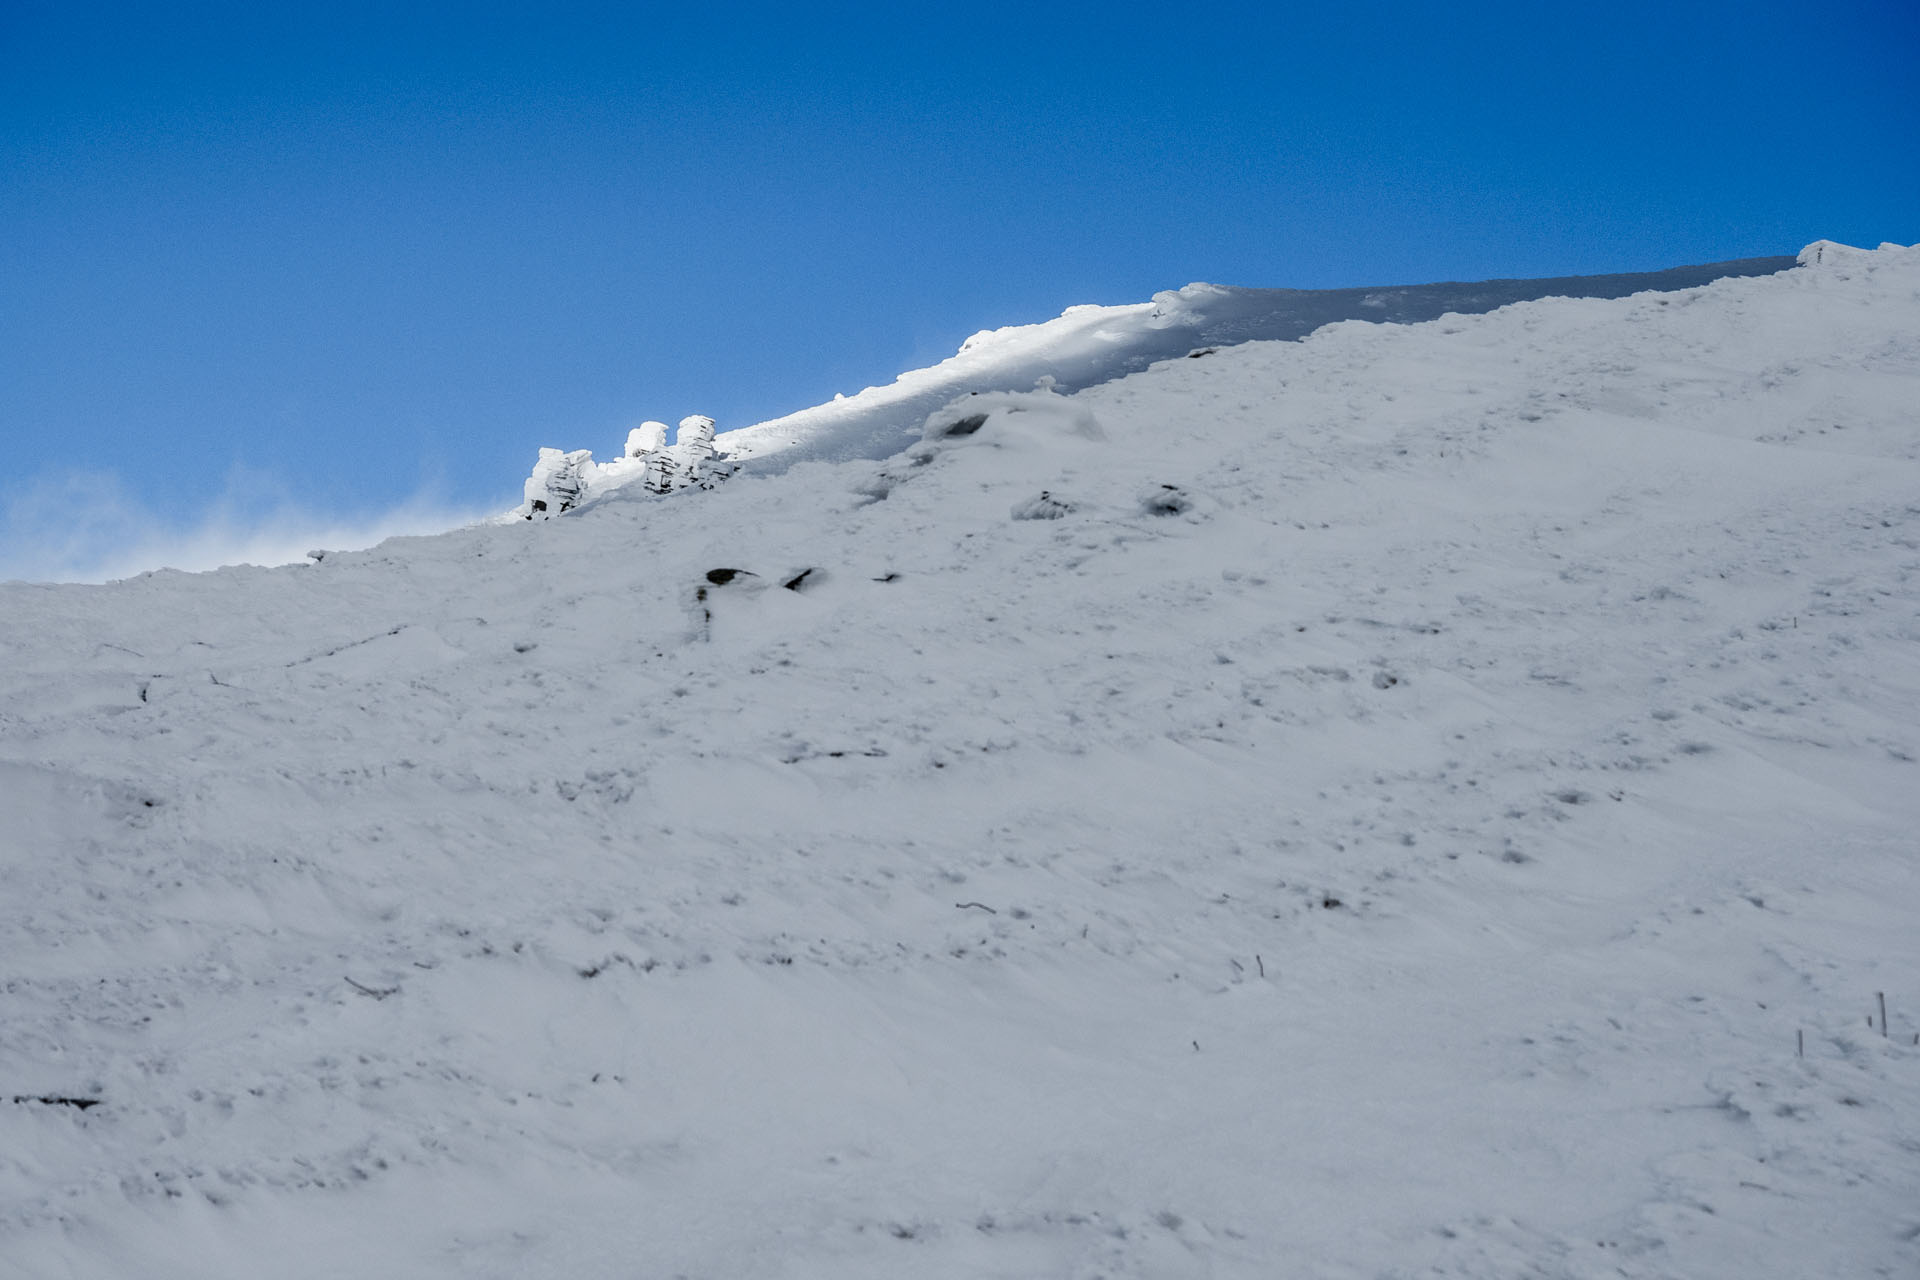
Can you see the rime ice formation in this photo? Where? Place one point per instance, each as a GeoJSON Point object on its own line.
{"type": "Point", "coordinates": [648, 437]}
{"type": "Point", "coordinates": [557, 483]}
{"type": "Point", "coordinates": [562, 481]}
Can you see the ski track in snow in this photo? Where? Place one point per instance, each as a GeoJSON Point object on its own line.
{"type": "Point", "coordinates": [1408, 845]}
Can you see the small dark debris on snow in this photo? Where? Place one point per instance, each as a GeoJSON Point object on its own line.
{"type": "Point", "coordinates": [798, 581]}
{"type": "Point", "coordinates": [1330, 902]}
{"type": "Point", "coordinates": [888, 577]}
{"type": "Point", "coordinates": [55, 1100]}
{"type": "Point", "coordinates": [1044, 507]}
{"type": "Point", "coordinates": [1384, 680]}
{"type": "Point", "coordinates": [840, 753]}
{"type": "Point", "coordinates": [961, 426]}
{"type": "Point", "coordinates": [962, 906]}
{"type": "Point", "coordinates": [378, 993]}
{"type": "Point", "coordinates": [721, 577]}
{"type": "Point", "coordinates": [1197, 352]}
{"type": "Point", "coordinates": [1165, 500]}
{"type": "Point", "coordinates": [592, 971]}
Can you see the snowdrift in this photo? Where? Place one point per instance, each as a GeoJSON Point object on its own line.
{"type": "Point", "coordinates": [1430, 799]}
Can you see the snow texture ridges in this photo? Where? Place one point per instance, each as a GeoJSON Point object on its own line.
{"type": "Point", "coordinates": [1434, 799]}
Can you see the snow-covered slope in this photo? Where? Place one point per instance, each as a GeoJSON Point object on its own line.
{"type": "Point", "coordinates": [1084, 347]}
{"type": "Point", "coordinates": [1396, 803]}
{"type": "Point", "coordinates": [1089, 345]}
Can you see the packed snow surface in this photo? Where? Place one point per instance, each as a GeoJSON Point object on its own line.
{"type": "Point", "coordinates": [1421, 800]}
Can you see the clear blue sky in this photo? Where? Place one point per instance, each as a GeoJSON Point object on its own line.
{"type": "Point", "coordinates": [332, 254]}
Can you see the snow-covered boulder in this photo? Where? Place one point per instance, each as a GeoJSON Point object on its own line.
{"type": "Point", "coordinates": [1838, 259]}
{"type": "Point", "coordinates": [648, 437]}
{"type": "Point", "coordinates": [557, 483]}
{"type": "Point", "coordinates": [1021, 413]}
{"type": "Point", "coordinates": [696, 435]}
{"type": "Point", "coordinates": [662, 472]}
{"type": "Point", "coordinates": [564, 480]}
{"type": "Point", "coordinates": [694, 445]}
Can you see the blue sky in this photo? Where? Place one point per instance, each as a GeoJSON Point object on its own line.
{"type": "Point", "coordinates": [259, 267]}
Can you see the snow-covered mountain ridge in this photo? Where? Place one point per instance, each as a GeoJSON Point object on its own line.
{"type": "Point", "coordinates": [1399, 802]}
{"type": "Point", "coordinates": [1083, 347]}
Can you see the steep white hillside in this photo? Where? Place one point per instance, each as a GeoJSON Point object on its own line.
{"type": "Point", "coordinates": [1426, 800]}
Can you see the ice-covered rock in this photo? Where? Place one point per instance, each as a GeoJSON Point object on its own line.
{"type": "Point", "coordinates": [648, 437]}
{"type": "Point", "coordinates": [694, 444]}
{"type": "Point", "coordinates": [556, 485]}
{"type": "Point", "coordinates": [662, 472]}
{"type": "Point", "coordinates": [562, 481]}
